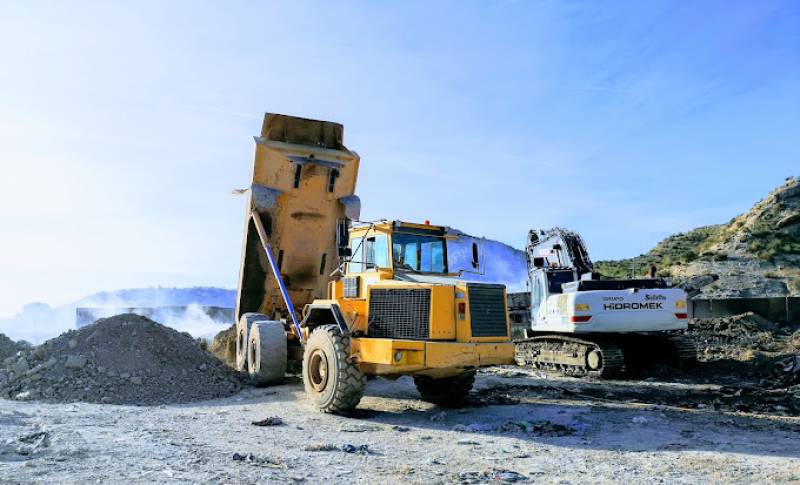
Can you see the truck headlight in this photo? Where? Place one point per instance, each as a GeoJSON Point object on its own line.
{"type": "Point", "coordinates": [680, 304]}
{"type": "Point", "coordinates": [581, 307]}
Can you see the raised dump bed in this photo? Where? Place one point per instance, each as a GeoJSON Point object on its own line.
{"type": "Point", "coordinates": [302, 189]}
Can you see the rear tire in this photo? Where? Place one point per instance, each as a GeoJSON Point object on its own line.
{"type": "Point", "coordinates": [266, 353]}
{"type": "Point", "coordinates": [333, 383]}
{"type": "Point", "coordinates": [445, 391]}
{"type": "Point", "coordinates": [243, 335]}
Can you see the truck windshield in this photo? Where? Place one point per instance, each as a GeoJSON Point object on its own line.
{"type": "Point", "coordinates": [414, 252]}
{"type": "Point", "coordinates": [557, 278]}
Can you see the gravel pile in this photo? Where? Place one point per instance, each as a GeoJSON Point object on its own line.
{"type": "Point", "coordinates": [9, 348]}
{"type": "Point", "coordinates": [736, 337]}
{"type": "Point", "coordinates": [126, 359]}
{"type": "Point", "coordinates": [224, 346]}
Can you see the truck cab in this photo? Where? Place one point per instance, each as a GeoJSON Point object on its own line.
{"type": "Point", "coordinates": [407, 312]}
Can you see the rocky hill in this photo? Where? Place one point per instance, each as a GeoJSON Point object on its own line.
{"type": "Point", "coordinates": [754, 254]}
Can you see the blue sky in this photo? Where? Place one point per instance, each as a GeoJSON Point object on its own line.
{"type": "Point", "coordinates": [125, 125]}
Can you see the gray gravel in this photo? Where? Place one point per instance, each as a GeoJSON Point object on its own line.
{"type": "Point", "coordinates": [126, 359]}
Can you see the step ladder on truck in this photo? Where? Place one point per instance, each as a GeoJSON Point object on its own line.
{"type": "Point", "coordinates": [341, 301]}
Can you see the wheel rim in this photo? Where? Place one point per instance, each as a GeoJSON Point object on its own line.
{"type": "Point", "coordinates": [254, 356]}
{"type": "Point", "coordinates": [318, 370]}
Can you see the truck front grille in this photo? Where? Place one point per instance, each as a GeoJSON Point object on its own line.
{"type": "Point", "coordinates": [399, 313]}
{"type": "Point", "coordinates": [487, 309]}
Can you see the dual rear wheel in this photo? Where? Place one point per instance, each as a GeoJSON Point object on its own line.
{"type": "Point", "coordinates": [261, 348]}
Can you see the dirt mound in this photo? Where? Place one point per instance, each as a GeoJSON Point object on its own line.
{"type": "Point", "coordinates": [737, 337]}
{"type": "Point", "coordinates": [126, 359]}
{"type": "Point", "coordinates": [9, 348]}
{"type": "Point", "coordinates": [224, 346]}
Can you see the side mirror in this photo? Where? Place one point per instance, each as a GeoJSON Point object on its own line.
{"type": "Point", "coordinates": [342, 239]}
{"type": "Point", "coordinates": [475, 259]}
{"type": "Point", "coordinates": [538, 262]}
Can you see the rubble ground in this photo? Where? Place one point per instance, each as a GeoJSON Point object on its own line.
{"type": "Point", "coordinates": [734, 417]}
{"type": "Point", "coordinates": [544, 437]}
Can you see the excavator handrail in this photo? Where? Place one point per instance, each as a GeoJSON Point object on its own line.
{"type": "Point", "coordinates": [262, 235]}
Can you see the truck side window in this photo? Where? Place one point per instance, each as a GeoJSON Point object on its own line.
{"type": "Point", "coordinates": [357, 259]}
{"type": "Point", "coordinates": [376, 252]}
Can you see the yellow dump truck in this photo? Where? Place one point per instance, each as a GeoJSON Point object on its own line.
{"type": "Point", "coordinates": [349, 299]}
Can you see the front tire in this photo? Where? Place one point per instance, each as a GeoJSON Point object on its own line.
{"type": "Point", "coordinates": [332, 382]}
{"type": "Point", "coordinates": [446, 391]}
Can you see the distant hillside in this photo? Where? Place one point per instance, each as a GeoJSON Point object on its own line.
{"type": "Point", "coordinates": [160, 296]}
{"type": "Point", "coordinates": [755, 254]}
{"type": "Point", "coordinates": [38, 321]}
{"type": "Point", "coordinates": [500, 263]}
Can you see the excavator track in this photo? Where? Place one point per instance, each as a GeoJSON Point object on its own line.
{"type": "Point", "coordinates": [645, 350]}
{"type": "Point", "coordinates": [607, 356]}
{"type": "Point", "coordinates": [685, 350]}
{"type": "Point", "coordinates": [571, 356]}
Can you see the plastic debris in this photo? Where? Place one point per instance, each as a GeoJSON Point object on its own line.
{"type": "Point", "coordinates": [271, 421]}
{"type": "Point", "coordinates": [360, 449]}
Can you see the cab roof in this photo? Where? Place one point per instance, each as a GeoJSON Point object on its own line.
{"type": "Point", "coordinates": [395, 225]}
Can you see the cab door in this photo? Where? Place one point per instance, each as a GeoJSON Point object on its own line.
{"type": "Point", "coordinates": [538, 298]}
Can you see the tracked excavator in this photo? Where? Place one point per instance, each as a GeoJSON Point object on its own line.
{"type": "Point", "coordinates": [339, 300]}
{"type": "Point", "coordinates": [584, 325]}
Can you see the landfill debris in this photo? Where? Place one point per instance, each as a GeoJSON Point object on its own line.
{"type": "Point", "coordinates": [494, 475]}
{"type": "Point", "coordinates": [346, 448]}
{"type": "Point", "coordinates": [473, 428]}
{"type": "Point", "coordinates": [271, 421]}
{"type": "Point", "coordinates": [263, 461]}
{"type": "Point", "coordinates": [467, 442]}
{"type": "Point", "coordinates": [359, 428]}
{"type": "Point", "coordinates": [359, 449]}
{"type": "Point", "coordinates": [540, 428]}
{"type": "Point", "coordinates": [321, 447]}
{"type": "Point", "coordinates": [735, 337]}
{"type": "Point", "coordinates": [30, 444]}
{"type": "Point", "coordinates": [788, 369]}
{"type": "Point", "coordinates": [400, 429]}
